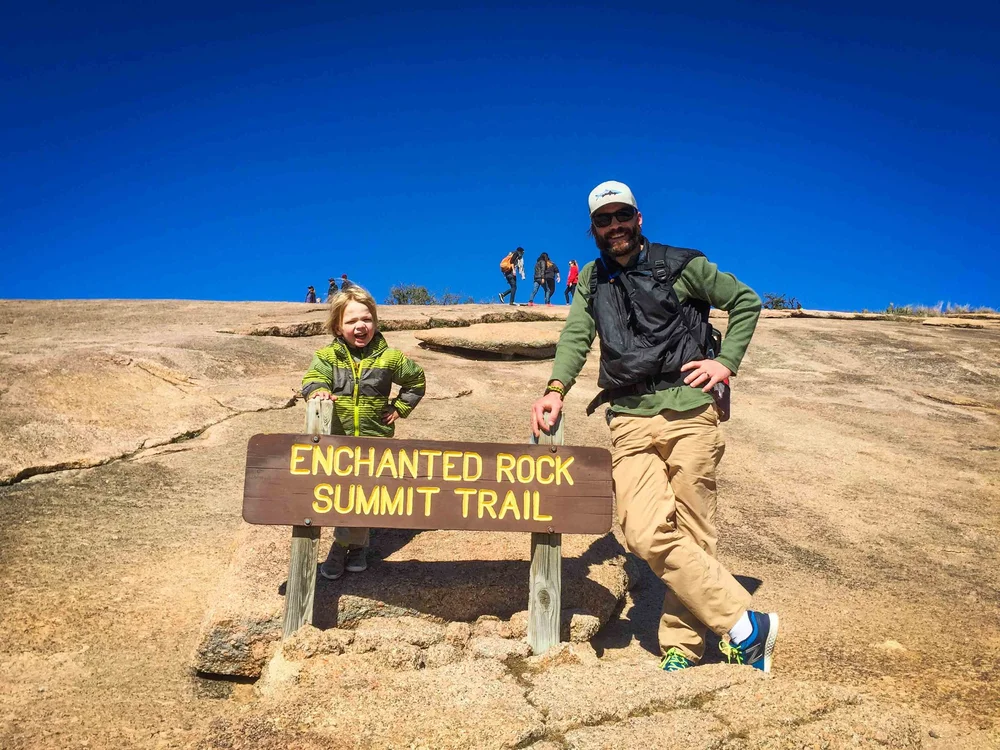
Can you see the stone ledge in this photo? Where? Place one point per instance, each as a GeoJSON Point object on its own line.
{"type": "Point", "coordinates": [474, 578]}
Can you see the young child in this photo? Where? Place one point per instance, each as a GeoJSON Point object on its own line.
{"type": "Point", "coordinates": [356, 372]}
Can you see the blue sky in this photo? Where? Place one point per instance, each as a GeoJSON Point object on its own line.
{"type": "Point", "coordinates": [846, 156]}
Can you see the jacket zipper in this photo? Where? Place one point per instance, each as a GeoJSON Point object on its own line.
{"type": "Point", "coordinates": [356, 369]}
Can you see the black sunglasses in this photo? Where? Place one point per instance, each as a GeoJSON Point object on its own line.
{"type": "Point", "coordinates": [626, 213]}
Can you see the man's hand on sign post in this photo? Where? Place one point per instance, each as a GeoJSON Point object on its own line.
{"type": "Point", "coordinates": [550, 404]}
{"type": "Point", "coordinates": [323, 396]}
{"type": "Point", "coordinates": [705, 372]}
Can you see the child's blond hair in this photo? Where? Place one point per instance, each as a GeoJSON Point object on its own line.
{"type": "Point", "coordinates": [339, 301]}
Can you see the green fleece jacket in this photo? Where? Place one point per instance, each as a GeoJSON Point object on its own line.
{"type": "Point", "coordinates": [700, 279]}
{"type": "Point", "coordinates": [362, 382]}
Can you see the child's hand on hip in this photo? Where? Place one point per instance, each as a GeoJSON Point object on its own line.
{"type": "Point", "coordinates": [390, 416]}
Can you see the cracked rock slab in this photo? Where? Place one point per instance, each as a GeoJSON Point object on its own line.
{"type": "Point", "coordinates": [573, 695]}
{"type": "Point", "coordinates": [464, 705]}
{"type": "Point", "coordinates": [368, 700]}
{"type": "Point", "coordinates": [687, 729]}
{"type": "Point", "coordinates": [85, 404]}
{"type": "Point", "coordinates": [752, 714]}
{"type": "Point", "coordinates": [777, 713]}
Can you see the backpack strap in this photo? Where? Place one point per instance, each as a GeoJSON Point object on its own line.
{"type": "Point", "coordinates": [592, 291]}
{"type": "Point", "coordinates": [667, 262]}
{"type": "Point", "coordinates": [658, 262]}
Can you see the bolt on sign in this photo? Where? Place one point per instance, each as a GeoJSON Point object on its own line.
{"type": "Point", "coordinates": [332, 480]}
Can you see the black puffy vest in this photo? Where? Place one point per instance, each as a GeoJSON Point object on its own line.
{"type": "Point", "coordinates": [646, 333]}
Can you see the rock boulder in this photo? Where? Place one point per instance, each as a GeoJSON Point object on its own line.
{"type": "Point", "coordinates": [505, 340]}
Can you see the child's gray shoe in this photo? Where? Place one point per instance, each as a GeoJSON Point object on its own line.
{"type": "Point", "coordinates": [333, 568]}
{"type": "Point", "coordinates": [357, 559]}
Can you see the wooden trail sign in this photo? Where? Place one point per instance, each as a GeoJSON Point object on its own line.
{"type": "Point", "coordinates": [549, 489]}
{"type": "Point", "coordinates": [332, 480]}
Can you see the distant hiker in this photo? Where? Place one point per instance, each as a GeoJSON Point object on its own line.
{"type": "Point", "coordinates": [332, 290]}
{"type": "Point", "coordinates": [545, 270]}
{"type": "Point", "coordinates": [510, 266]}
{"type": "Point", "coordinates": [571, 281]}
{"type": "Point", "coordinates": [649, 304]}
{"type": "Point", "coordinates": [310, 295]}
{"type": "Point", "coordinates": [345, 283]}
{"type": "Point", "coordinates": [551, 279]}
{"type": "Point", "coordinates": [356, 372]}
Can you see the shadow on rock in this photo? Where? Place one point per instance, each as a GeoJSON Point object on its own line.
{"type": "Point", "coordinates": [639, 617]}
{"type": "Point", "coordinates": [464, 590]}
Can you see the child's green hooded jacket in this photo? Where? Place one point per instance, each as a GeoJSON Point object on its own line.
{"type": "Point", "coordinates": [363, 387]}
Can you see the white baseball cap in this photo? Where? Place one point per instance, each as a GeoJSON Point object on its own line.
{"type": "Point", "coordinates": [611, 192]}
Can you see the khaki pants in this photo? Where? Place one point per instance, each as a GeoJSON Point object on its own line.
{"type": "Point", "coordinates": [351, 536]}
{"type": "Point", "coordinates": [664, 475]}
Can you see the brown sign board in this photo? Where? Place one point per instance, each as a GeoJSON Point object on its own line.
{"type": "Point", "coordinates": [333, 480]}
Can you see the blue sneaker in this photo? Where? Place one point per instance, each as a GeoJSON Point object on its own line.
{"type": "Point", "coordinates": [675, 661]}
{"type": "Point", "coordinates": [757, 650]}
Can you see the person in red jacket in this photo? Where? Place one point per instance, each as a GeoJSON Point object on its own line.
{"type": "Point", "coordinates": [571, 280]}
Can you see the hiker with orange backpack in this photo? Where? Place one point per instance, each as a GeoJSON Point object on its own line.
{"type": "Point", "coordinates": [510, 266]}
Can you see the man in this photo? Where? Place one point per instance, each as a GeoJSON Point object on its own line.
{"type": "Point", "coordinates": [345, 283]}
{"type": "Point", "coordinates": [311, 295]}
{"type": "Point", "coordinates": [649, 303]}
{"type": "Point", "coordinates": [509, 267]}
{"type": "Point", "coordinates": [332, 290]}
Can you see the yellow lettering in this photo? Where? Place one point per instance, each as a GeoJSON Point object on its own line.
{"type": "Point", "coordinates": [538, 472]}
{"type": "Point", "coordinates": [369, 505]}
{"type": "Point", "coordinates": [465, 499]}
{"type": "Point", "coordinates": [322, 503]}
{"type": "Point", "coordinates": [429, 455]}
{"type": "Point", "coordinates": [528, 461]}
{"type": "Point", "coordinates": [428, 493]}
{"type": "Point", "coordinates": [407, 462]}
{"type": "Point", "coordinates": [487, 499]}
{"type": "Point", "coordinates": [536, 513]}
{"type": "Point", "coordinates": [394, 505]}
{"type": "Point", "coordinates": [505, 465]}
{"type": "Point", "coordinates": [320, 460]}
{"type": "Point", "coordinates": [369, 462]}
{"type": "Point", "coordinates": [527, 504]}
{"type": "Point", "coordinates": [466, 461]}
{"type": "Point", "coordinates": [342, 450]}
{"type": "Point", "coordinates": [336, 500]}
{"type": "Point", "coordinates": [296, 459]}
{"type": "Point", "coordinates": [509, 504]}
{"type": "Point", "coordinates": [387, 462]}
{"type": "Point", "coordinates": [448, 466]}
{"type": "Point", "coordinates": [350, 498]}
{"type": "Point", "coordinates": [409, 501]}
{"type": "Point", "coordinates": [562, 469]}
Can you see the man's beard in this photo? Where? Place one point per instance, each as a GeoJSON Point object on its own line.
{"type": "Point", "coordinates": [620, 246]}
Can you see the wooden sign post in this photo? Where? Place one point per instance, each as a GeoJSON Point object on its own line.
{"type": "Point", "coordinates": [317, 479]}
{"type": "Point", "coordinates": [301, 588]}
{"type": "Point", "coordinates": [545, 583]}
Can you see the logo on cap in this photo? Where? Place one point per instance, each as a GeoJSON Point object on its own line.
{"type": "Point", "coordinates": [606, 193]}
